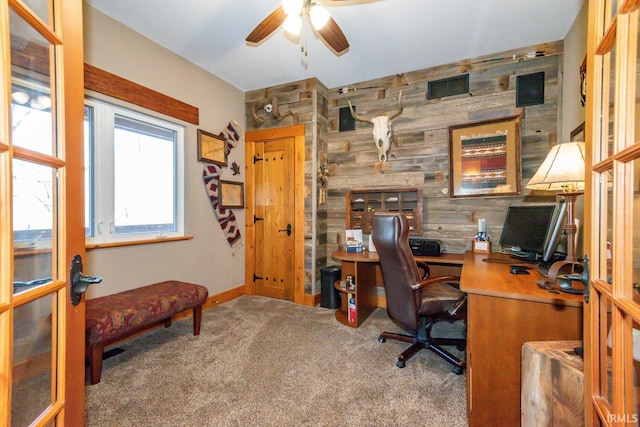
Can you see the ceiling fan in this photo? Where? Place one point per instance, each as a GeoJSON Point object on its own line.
{"type": "Point", "coordinates": [291, 15]}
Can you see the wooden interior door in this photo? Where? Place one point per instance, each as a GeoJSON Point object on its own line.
{"type": "Point", "coordinates": [275, 209]}
{"type": "Point", "coordinates": [612, 333]}
{"type": "Point", "coordinates": [275, 213]}
{"type": "Point", "coordinates": [41, 212]}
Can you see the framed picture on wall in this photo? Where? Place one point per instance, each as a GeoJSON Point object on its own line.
{"type": "Point", "coordinates": [578, 133]}
{"type": "Point", "coordinates": [231, 194]}
{"type": "Point", "coordinates": [484, 159]}
{"type": "Point", "coordinates": [212, 148]}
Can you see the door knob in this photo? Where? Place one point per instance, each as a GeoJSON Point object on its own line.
{"type": "Point", "coordinates": [80, 282]}
{"type": "Point", "coordinates": [564, 281]}
{"type": "Point", "coordinates": [288, 230]}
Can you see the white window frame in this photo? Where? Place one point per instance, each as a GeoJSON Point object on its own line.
{"type": "Point", "coordinates": [103, 175]}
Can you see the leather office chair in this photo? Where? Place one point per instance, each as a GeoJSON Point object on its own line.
{"type": "Point", "coordinates": [414, 301]}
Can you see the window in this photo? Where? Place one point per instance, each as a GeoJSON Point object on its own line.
{"type": "Point", "coordinates": [134, 175]}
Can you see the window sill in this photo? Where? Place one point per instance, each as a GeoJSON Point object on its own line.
{"type": "Point", "coordinates": [90, 247]}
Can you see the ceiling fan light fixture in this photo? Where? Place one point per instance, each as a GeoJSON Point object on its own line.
{"type": "Point", "coordinates": [41, 102]}
{"type": "Point", "coordinates": [20, 97]}
{"type": "Point", "coordinates": [319, 16]}
{"type": "Point", "coordinates": [293, 25]}
{"type": "Point", "coordinates": [292, 7]}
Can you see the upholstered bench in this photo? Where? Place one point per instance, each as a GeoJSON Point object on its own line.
{"type": "Point", "coordinates": [114, 317]}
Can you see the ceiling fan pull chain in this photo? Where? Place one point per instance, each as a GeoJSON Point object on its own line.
{"type": "Point", "coordinates": [303, 38]}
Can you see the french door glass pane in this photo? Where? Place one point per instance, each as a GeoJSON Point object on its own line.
{"type": "Point", "coordinates": [31, 100]}
{"type": "Point", "coordinates": [636, 231]}
{"type": "Point", "coordinates": [608, 101]}
{"type": "Point", "coordinates": [608, 246]}
{"type": "Point", "coordinates": [634, 373]}
{"type": "Point", "coordinates": [89, 172]}
{"type": "Point", "coordinates": [40, 8]}
{"type": "Point", "coordinates": [32, 360]}
{"type": "Point", "coordinates": [612, 6]}
{"type": "Point", "coordinates": [606, 352]}
{"type": "Point", "coordinates": [33, 219]}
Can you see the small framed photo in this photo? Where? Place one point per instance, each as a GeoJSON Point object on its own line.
{"type": "Point", "coordinates": [231, 194]}
{"type": "Point", "coordinates": [212, 148]}
{"type": "Point", "coordinates": [481, 246]}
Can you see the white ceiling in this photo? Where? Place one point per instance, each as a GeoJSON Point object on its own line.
{"type": "Point", "coordinates": [386, 37]}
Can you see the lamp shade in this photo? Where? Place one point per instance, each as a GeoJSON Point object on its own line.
{"type": "Point", "coordinates": [562, 169]}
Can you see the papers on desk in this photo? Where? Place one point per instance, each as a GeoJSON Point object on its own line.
{"type": "Point", "coordinates": [354, 240]}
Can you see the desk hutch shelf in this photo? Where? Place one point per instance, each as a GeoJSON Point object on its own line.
{"type": "Point", "coordinates": [362, 204]}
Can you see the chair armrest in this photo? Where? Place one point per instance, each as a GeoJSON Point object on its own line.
{"type": "Point", "coordinates": [453, 311]}
{"type": "Point", "coordinates": [426, 282]}
{"type": "Point", "coordinates": [424, 267]}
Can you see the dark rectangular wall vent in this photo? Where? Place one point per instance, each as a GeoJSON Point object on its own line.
{"type": "Point", "coordinates": [448, 87]}
{"type": "Point", "coordinates": [530, 89]}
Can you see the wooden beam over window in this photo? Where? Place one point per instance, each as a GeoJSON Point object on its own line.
{"type": "Point", "coordinates": [109, 84]}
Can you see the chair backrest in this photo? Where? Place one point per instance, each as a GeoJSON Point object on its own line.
{"type": "Point", "coordinates": [390, 234]}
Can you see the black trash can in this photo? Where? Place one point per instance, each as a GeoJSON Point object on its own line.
{"type": "Point", "coordinates": [330, 297]}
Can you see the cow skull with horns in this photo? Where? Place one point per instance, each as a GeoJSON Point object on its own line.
{"type": "Point", "coordinates": [381, 129]}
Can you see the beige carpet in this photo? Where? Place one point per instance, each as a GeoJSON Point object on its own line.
{"type": "Point", "coordinates": [266, 362]}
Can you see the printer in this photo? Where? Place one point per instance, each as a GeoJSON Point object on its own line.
{"type": "Point", "coordinates": [421, 246]}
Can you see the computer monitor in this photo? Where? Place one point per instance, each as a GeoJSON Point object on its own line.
{"type": "Point", "coordinates": [555, 233]}
{"type": "Point", "coordinates": [533, 230]}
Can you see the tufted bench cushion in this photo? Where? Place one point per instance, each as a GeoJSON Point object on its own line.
{"type": "Point", "coordinates": [114, 317]}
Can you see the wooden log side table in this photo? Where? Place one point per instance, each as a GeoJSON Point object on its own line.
{"type": "Point", "coordinates": [552, 384]}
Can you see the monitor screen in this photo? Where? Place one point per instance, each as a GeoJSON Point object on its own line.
{"type": "Point", "coordinates": [528, 229]}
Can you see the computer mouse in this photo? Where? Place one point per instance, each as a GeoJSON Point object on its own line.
{"type": "Point", "coordinates": [519, 269]}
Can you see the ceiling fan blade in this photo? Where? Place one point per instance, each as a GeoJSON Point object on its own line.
{"type": "Point", "coordinates": [334, 36]}
{"type": "Point", "coordinates": [267, 26]}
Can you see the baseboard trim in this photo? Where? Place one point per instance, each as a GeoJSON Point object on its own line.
{"type": "Point", "coordinates": [311, 300]}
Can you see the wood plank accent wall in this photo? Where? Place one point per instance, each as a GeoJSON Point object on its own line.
{"type": "Point", "coordinates": [109, 84]}
{"type": "Point", "coordinates": [420, 146]}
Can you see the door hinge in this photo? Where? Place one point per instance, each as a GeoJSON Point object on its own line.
{"type": "Point", "coordinates": [256, 219]}
{"type": "Point", "coordinates": [256, 159]}
{"type": "Point", "coordinates": [255, 277]}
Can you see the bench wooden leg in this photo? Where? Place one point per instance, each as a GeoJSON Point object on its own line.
{"type": "Point", "coordinates": [95, 363]}
{"type": "Point", "coordinates": [197, 318]}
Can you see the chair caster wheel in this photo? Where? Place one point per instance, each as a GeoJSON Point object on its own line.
{"type": "Point", "coordinates": [457, 370]}
{"type": "Point", "coordinates": [382, 339]}
{"type": "Point", "coordinates": [400, 364]}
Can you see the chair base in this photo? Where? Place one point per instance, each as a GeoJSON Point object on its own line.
{"type": "Point", "coordinates": [433, 344]}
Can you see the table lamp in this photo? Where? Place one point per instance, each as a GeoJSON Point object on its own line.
{"type": "Point", "coordinates": [563, 171]}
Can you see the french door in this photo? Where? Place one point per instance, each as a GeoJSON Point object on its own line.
{"type": "Point", "coordinates": [41, 212]}
{"type": "Point", "coordinates": [612, 337]}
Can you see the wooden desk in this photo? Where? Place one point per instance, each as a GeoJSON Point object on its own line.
{"type": "Point", "coordinates": [365, 268]}
{"type": "Point", "coordinates": [505, 311]}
